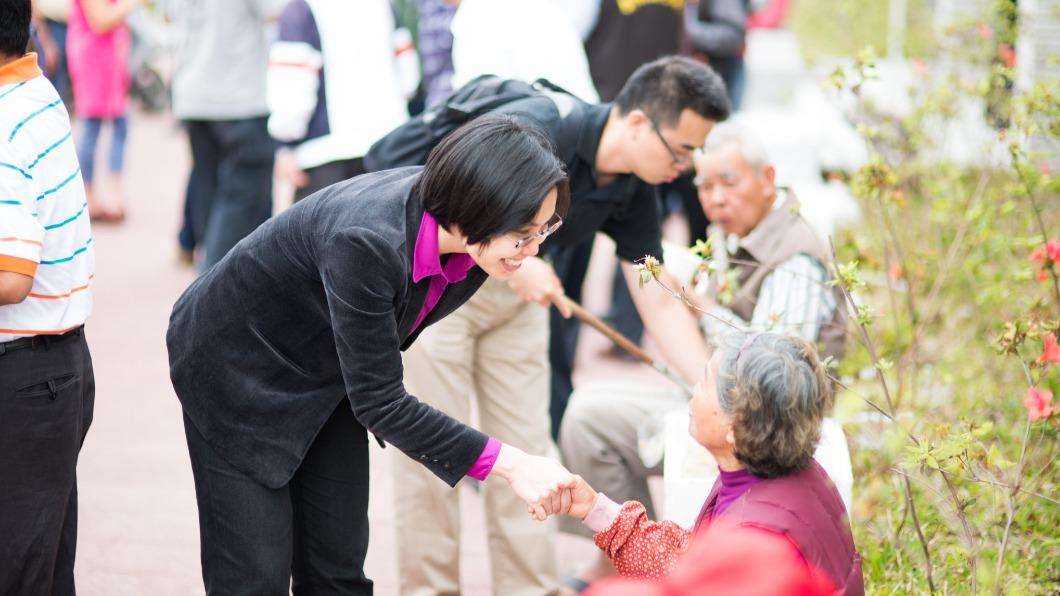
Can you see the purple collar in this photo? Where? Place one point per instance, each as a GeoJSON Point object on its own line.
{"type": "Point", "coordinates": [426, 261]}
{"type": "Point", "coordinates": [733, 486]}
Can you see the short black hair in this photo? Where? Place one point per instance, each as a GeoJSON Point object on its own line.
{"type": "Point", "coordinates": [668, 86]}
{"type": "Point", "coordinates": [490, 176]}
{"type": "Point", "coordinates": [14, 27]}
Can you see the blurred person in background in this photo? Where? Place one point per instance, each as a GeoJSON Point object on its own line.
{"type": "Point", "coordinates": [620, 36]}
{"type": "Point", "coordinates": [97, 49]}
{"type": "Point", "coordinates": [516, 39]}
{"type": "Point", "coordinates": [55, 15]}
{"type": "Point", "coordinates": [219, 93]}
{"type": "Point", "coordinates": [47, 262]}
{"type": "Point", "coordinates": [340, 76]}
{"type": "Point", "coordinates": [436, 48]}
{"type": "Point", "coordinates": [715, 31]}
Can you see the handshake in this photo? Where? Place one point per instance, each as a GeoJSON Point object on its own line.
{"type": "Point", "coordinates": [546, 486]}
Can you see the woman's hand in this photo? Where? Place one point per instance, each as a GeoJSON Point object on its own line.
{"type": "Point", "coordinates": [536, 281]}
{"type": "Point", "coordinates": [542, 482]}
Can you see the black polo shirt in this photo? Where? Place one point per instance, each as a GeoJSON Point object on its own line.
{"type": "Point", "coordinates": [626, 209]}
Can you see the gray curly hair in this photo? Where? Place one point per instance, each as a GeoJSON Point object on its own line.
{"type": "Point", "coordinates": [776, 391]}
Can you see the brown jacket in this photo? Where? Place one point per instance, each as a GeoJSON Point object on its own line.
{"type": "Point", "coordinates": [782, 234]}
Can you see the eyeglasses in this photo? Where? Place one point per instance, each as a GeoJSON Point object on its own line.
{"type": "Point", "coordinates": [550, 226]}
{"type": "Point", "coordinates": [679, 160]}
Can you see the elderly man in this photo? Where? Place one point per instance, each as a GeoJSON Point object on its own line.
{"type": "Point", "coordinates": [770, 276]}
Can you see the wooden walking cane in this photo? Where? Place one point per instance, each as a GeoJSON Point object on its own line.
{"type": "Point", "coordinates": [623, 342]}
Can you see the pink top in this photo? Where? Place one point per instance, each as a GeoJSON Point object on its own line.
{"type": "Point", "coordinates": [98, 64]}
{"type": "Point", "coordinates": [427, 262]}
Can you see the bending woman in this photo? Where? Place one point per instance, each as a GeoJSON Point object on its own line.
{"type": "Point", "coordinates": [758, 411]}
{"type": "Point", "coordinates": [286, 354]}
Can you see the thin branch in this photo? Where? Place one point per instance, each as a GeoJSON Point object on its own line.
{"type": "Point", "coordinates": [1011, 509]}
{"type": "Point", "coordinates": [958, 506]}
{"type": "Point", "coordinates": [1009, 487]}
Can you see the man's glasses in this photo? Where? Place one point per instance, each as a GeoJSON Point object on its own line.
{"type": "Point", "coordinates": [679, 160]}
{"type": "Point", "coordinates": [546, 230]}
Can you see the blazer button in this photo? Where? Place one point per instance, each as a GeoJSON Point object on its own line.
{"type": "Point", "coordinates": [423, 457]}
{"type": "Point", "coordinates": [447, 467]}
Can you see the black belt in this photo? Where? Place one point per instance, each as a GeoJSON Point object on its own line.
{"type": "Point", "coordinates": [39, 340]}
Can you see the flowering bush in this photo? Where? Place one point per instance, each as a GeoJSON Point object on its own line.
{"type": "Point", "coordinates": [952, 282]}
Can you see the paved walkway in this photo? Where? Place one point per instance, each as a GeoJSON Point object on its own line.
{"type": "Point", "coordinates": [138, 525]}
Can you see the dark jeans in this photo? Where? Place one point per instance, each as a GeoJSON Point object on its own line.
{"type": "Point", "coordinates": [327, 174]}
{"type": "Point", "coordinates": [230, 187]}
{"type": "Point", "coordinates": [46, 396]}
{"type": "Point", "coordinates": [314, 530]}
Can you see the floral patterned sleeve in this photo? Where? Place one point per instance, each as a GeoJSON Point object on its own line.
{"type": "Point", "coordinates": [640, 547]}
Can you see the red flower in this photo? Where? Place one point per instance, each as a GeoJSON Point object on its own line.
{"type": "Point", "coordinates": [1038, 403]}
{"type": "Point", "coordinates": [1051, 351]}
{"type": "Point", "coordinates": [1052, 248]}
{"type": "Point", "coordinates": [1044, 169]}
{"type": "Point", "coordinates": [1038, 256]}
{"type": "Point", "coordinates": [895, 272]}
{"type": "Point", "coordinates": [920, 66]}
{"type": "Point", "coordinates": [1007, 55]}
{"type": "Point", "coordinates": [1042, 275]}
{"type": "Point", "coordinates": [985, 31]}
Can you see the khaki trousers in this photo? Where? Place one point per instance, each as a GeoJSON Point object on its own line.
{"type": "Point", "coordinates": [493, 349]}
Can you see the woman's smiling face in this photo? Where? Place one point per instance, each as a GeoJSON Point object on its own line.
{"type": "Point", "coordinates": [502, 256]}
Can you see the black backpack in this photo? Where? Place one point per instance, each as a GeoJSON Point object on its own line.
{"type": "Point", "coordinates": [410, 143]}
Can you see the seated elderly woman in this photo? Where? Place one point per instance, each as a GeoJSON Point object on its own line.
{"type": "Point", "coordinates": [758, 411]}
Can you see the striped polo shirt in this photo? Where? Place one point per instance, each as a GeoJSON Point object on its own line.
{"type": "Point", "coordinates": [44, 227]}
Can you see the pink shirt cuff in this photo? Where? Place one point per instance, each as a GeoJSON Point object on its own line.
{"type": "Point", "coordinates": [484, 464]}
{"type": "Point", "coordinates": [603, 513]}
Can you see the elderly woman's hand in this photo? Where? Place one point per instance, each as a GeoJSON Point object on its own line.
{"type": "Point", "coordinates": [542, 482]}
{"type": "Point", "coordinates": [583, 498]}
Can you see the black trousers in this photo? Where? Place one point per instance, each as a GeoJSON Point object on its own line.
{"type": "Point", "coordinates": [309, 537]}
{"type": "Point", "coordinates": [229, 190]}
{"type": "Point", "coordinates": [571, 264]}
{"type": "Point", "coordinates": [327, 174]}
{"type": "Point", "coordinates": [47, 393]}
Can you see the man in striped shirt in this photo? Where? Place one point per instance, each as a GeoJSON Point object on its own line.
{"type": "Point", "coordinates": [46, 266]}
{"type": "Point", "coordinates": [769, 276]}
